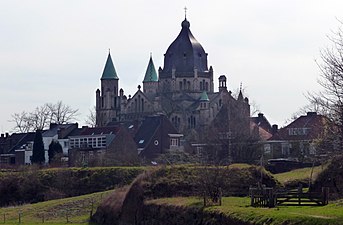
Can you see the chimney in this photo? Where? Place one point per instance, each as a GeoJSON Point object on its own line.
{"type": "Point", "coordinates": [260, 115]}
{"type": "Point", "coordinates": [7, 135]}
{"type": "Point", "coordinates": [2, 135]}
{"type": "Point", "coordinates": [274, 128]}
{"type": "Point", "coordinates": [311, 113]}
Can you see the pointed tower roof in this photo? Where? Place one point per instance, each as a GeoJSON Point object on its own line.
{"type": "Point", "coordinates": [204, 96]}
{"type": "Point", "coordinates": [109, 70]}
{"type": "Point", "coordinates": [240, 95]}
{"type": "Point", "coordinates": [150, 74]}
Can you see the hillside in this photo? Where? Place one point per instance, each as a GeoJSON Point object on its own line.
{"type": "Point", "coordinates": [127, 205]}
{"type": "Point", "coordinates": [75, 210]}
{"type": "Point", "coordinates": [31, 185]}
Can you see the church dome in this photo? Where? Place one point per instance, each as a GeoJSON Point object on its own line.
{"type": "Point", "coordinates": [185, 53]}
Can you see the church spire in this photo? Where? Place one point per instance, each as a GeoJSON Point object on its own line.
{"type": "Point", "coordinates": [109, 70]}
{"type": "Point", "coordinates": [150, 74]}
{"type": "Point", "coordinates": [240, 95]}
{"type": "Point", "coordinates": [185, 12]}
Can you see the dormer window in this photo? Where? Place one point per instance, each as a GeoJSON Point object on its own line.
{"type": "Point", "coordinates": [298, 131]}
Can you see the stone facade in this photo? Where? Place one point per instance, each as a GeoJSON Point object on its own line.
{"type": "Point", "coordinates": [183, 90]}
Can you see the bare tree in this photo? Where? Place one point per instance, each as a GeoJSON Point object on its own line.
{"type": "Point", "coordinates": [22, 122]}
{"type": "Point", "coordinates": [41, 117]}
{"type": "Point", "coordinates": [329, 101]}
{"type": "Point", "coordinates": [61, 113]}
{"type": "Point", "coordinates": [91, 118]}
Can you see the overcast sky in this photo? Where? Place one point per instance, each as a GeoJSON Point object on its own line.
{"type": "Point", "coordinates": [56, 50]}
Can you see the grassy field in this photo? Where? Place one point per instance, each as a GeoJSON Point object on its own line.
{"type": "Point", "coordinates": [75, 210]}
{"type": "Point", "coordinates": [239, 208]}
{"type": "Point", "coordinates": [298, 175]}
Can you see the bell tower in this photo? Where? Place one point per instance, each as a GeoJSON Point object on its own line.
{"type": "Point", "coordinates": [107, 99]}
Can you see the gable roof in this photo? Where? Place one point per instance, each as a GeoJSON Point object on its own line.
{"type": "Point", "coordinates": [262, 121]}
{"type": "Point", "coordinates": [147, 130]}
{"type": "Point", "coordinates": [24, 138]}
{"type": "Point", "coordinates": [307, 127]}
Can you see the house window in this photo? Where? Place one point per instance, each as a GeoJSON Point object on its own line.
{"type": "Point", "coordinates": [174, 142]}
{"type": "Point", "coordinates": [199, 150]}
{"type": "Point", "coordinates": [298, 131]}
{"type": "Point", "coordinates": [285, 148]}
{"type": "Point", "coordinates": [191, 122]}
{"type": "Point", "coordinates": [267, 149]}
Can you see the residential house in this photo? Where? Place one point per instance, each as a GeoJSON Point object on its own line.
{"type": "Point", "coordinates": [261, 129]}
{"type": "Point", "coordinates": [102, 146]}
{"type": "Point", "coordinates": [16, 148]}
{"type": "Point", "coordinates": [60, 133]}
{"type": "Point", "coordinates": [299, 139]}
{"type": "Point", "coordinates": [155, 136]}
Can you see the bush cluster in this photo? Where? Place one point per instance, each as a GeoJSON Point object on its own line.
{"type": "Point", "coordinates": [35, 185]}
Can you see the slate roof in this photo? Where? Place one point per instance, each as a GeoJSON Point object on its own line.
{"type": "Point", "coordinates": [23, 139]}
{"type": "Point", "coordinates": [55, 128]}
{"type": "Point", "coordinates": [185, 53]}
{"type": "Point", "coordinates": [147, 130]}
{"type": "Point", "coordinates": [100, 130]}
{"type": "Point", "coordinates": [109, 72]}
{"type": "Point", "coordinates": [150, 74]}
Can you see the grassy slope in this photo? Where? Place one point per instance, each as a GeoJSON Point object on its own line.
{"type": "Point", "coordinates": [298, 175]}
{"type": "Point", "coordinates": [239, 208]}
{"type": "Point", "coordinates": [54, 211]}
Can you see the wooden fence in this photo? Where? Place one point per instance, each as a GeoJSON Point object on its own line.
{"type": "Point", "coordinates": [267, 197]}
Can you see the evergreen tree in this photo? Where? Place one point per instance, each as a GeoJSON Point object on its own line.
{"type": "Point", "coordinates": [54, 148]}
{"type": "Point", "coordinates": [38, 152]}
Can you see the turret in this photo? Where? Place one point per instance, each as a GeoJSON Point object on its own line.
{"type": "Point", "coordinates": [150, 82]}
{"type": "Point", "coordinates": [222, 83]}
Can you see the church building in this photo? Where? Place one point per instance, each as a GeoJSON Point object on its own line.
{"type": "Point", "coordinates": [182, 90]}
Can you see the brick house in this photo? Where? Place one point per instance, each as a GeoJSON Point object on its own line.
{"type": "Point", "coordinates": [299, 139]}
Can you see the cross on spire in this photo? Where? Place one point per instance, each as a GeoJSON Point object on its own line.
{"type": "Point", "coordinates": [185, 12]}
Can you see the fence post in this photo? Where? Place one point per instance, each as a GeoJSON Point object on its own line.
{"type": "Point", "coordinates": [252, 203]}
{"type": "Point", "coordinates": [92, 207]}
{"type": "Point", "coordinates": [67, 216]}
{"type": "Point", "coordinates": [19, 214]}
{"type": "Point", "coordinates": [325, 195]}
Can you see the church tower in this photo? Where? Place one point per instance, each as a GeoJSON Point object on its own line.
{"type": "Point", "coordinates": [107, 99]}
{"type": "Point", "coordinates": [185, 65]}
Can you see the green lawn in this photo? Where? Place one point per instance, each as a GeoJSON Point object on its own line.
{"type": "Point", "coordinates": [77, 209]}
{"type": "Point", "coordinates": [298, 175]}
{"type": "Point", "coordinates": [238, 207]}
